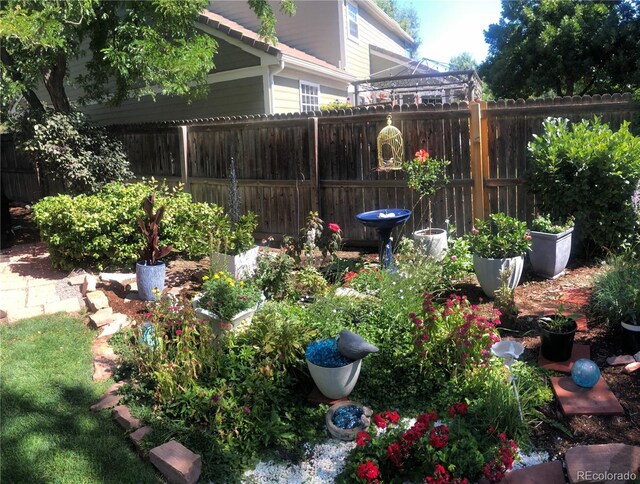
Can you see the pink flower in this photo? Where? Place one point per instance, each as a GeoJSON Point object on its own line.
{"type": "Point", "coordinates": [453, 258]}
{"type": "Point", "coordinates": [247, 410]}
{"type": "Point", "coordinates": [474, 231]}
{"type": "Point", "coordinates": [527, 237]}
{"type": "Point", "coordinates": [178, 332]}
{"type": "Point", "coordinates": [334, 227]}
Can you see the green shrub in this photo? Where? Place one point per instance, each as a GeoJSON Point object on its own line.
{"type": "Point", "coordinates": [499, 237]}
{"type": "Point", "coordinates": [273, 274]}
{"type": "Point", "coordinates": [588, 171]}
{"type": "Point", "coordinates": [543, 223]}
{"type": "Point", "coordinates": [101, 230]}
{"type": "Point", "coordinates": [616, 292]}
{"type": "Point", "coordinates": [68, 148]}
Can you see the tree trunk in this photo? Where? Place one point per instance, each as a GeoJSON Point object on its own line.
{"type": "Point", "coordinates": [27, 93]}
{"type": "Point", "coordinates": [54, 82]}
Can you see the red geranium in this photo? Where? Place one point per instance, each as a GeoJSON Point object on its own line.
{"type": "Point", "coordinates": [421, 155]}
{"type": "Point", "coordinates": [334, 227]}
{"type": "Point", "coordinates": [440, 476]}
{"type": "Point", "coordinates": [380, 421]}
{"type": "Point", "coordinates": [363, 438]}
{"type": "Point", "coordinates": [368, 471]}
{"type": "Point", "coordinates": [458, 408]}
{"type": "Point", "coordinates": [439, 436]}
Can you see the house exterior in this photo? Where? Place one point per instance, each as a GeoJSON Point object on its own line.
{"type": "Point", "coordinates": [321, 51]}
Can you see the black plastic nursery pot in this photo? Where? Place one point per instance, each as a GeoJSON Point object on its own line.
{"type": "Point", "coordinates": [557, 345]}
{"type": "Point", "coordinates": [631, 338]}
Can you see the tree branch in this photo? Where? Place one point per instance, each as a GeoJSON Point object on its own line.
{"type": "Point", "coordinates": [29, 95]}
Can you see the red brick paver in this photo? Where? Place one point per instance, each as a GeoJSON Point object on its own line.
{"type": "Point", "coordinates": [575, 400]}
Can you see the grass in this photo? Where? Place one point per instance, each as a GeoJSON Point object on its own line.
{"type": "Point", "coordinates": [48, 433]}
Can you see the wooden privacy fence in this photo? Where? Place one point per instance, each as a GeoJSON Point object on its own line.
{"type": "Point", "coordinates": [288, 165]}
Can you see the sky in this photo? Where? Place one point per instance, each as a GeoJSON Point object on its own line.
{"type": "Point", "coordinates": [450, 27]}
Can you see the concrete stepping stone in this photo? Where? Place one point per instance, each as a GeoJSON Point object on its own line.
{"type": "Point", "coordinates": [620, 360]}
{"type": "Point", "coordinates": [97, 300]}
{"type": "Point", "coordinates": [176, 463]}
{"type": "Point", "coordinates": [123, 417]}
{"type": "Point", "coordinates": [137, 436]}
{"type": "Point", "coordinates": [88, 284]}
{"type": "Point", "coordinates": [579, 351]}
{"type": "Point", "coordinates": [119, 321]}
{"type": "Point", "coordinates": [576, 400]}
{"type": "Point", "coordinates": [602, 463]}
{"type": "Point", "coordinates": [101, 317]}
{"type": "Point", "coordinates": [547, 473]}
{"type": "Point", "coordinates": [109, 400]}
{"type": "Point", "coordinates": [69, 305]}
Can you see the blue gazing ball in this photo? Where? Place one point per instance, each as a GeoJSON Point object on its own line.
{"type": "Point", "coordinates": [585, 373]}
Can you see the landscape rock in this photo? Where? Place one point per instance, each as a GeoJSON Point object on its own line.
{"type": "Point", "coordinates": [123, 417]}
{"type": "Point", "coordinates": [76, 278]}
{"type": "Point", "coordinates": [119, 321]}
{"type": "Point", "coordinates": [109, 400]}
{"type": "Point", "coordinates": [637, 356]}
{"type": "Point", "coordinates": [177, 463]}
{"type": "Point", "coordinates": [632, 367]}
{"type": "Point", "coordinates": [101, 317]}
{"type": "Point", "coordinates": [97, 300]}
{"type": "Point", "coordinates": [137, 436]}
{"type": "Point", "coordinates": [88, 284]}
{"type": "Point", "coordinates": [620, 360]}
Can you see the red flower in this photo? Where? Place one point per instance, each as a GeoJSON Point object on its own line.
{"type": "Point", "coordinates": [458, 408]}
{"type": "Point", "coordinates": [395, 454]}
{"type": "Point", "coordinates": [421, 155]}
{"type": "Point", "coordinates": [178, 332]}
{"type": "Point", "coordinates": [380, 421]}
{"type": "Point", "coordinates": [439, 436]}
{"type": "Point", "coordinates": [363, 438]}
{"type": "Point", "coordinates": [247, 410]}
{"type": "Point", "coordinates": [347, 277]}
{"type": "Point", "coordinates": [334, 227]}
{"type": "Point", "coordinates": [368, 471]}
{"type": "Point", "coordinates": [440, 476]}
{"type": "Point", "coordinates": [391, 416]}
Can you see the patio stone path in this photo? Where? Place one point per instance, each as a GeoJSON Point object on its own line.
{"type": "Point", "coordinates": [579, 351]}
{"type": "Point", "coordinates": [576, 400]}
{"type": "Point", "coordinates": [602, 463]}
{"type": "Point", "coordinates": [177, 463]}
{"type": "Point", "coordinates": [547, 473]}
{"type": "Point", "coordinates": [30, 287]}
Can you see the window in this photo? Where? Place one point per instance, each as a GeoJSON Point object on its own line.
{"type": "Point", "coordinates": [309, 96]}
{"type": "Point", "coordinates": [352, 12]}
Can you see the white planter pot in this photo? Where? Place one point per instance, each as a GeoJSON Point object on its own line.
{"type": "Point", "coordinates": [239, 266]}
{"type": "Point", "coordinates": [433, 241]}
{"type": "Point", "coordinates": [550, 253]}
{"type": "Point", "coordinates": [488, 272]}
{"type": "Point", "coordinates": [242, 318]}
{"type": "Point", "coordinates": [335, 383]}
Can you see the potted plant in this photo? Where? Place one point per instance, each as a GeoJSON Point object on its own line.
{"type": "Point", "coordinates": [556, 335]}
{"type": "Point", "coordinates": [423, 174]}
{"type": "Point", "coordinates": [151, 269]}
{"type": "Point", "coordinates": [496, 244]}
{"type": "Point", "coordinates": [504, 301]}
{"type": "Point", "coordinates": [233, 247]}
{"type": "Point", "coordinates": [550, 246]}
{"type": "Point", "coordinates": [226, 302]}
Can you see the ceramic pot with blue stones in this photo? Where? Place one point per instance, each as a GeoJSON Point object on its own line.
{"type": "Point", "coordinates": [345, 419]}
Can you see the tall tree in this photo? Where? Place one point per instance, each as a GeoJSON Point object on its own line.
{"type": "Point", "coordinates": [463, 62]}
{"type": "Point", "coordinates": [136, 47]}
{"type": "Point", "coordinates": [565, 47]}
{"type": "Point", "coordinates": [407, 18]}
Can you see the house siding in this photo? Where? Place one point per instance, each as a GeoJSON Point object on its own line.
{"type": "Point", "coordinates": [286, 91]}
{"type": "Point", "coordinates": [370, 32]}
{"type": "Point", "coordinates": [313, 29]}
{"type": "Point", "coordinates": [238, 97]}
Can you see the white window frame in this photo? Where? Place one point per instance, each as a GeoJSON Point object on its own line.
{"type": "Point", "coordinates": [312, 85]}
{"type": "Point", "coordinates": [353, 5]}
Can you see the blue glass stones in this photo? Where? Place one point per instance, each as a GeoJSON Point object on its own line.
{"type": "Point", "coordinates": [325, 353]}
{"type": "Point", "coordinates": [348, 417]}
{"type": "Point", "coordinates": [585, 373]}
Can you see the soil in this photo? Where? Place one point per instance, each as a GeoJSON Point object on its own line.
{"type": "Point", "coordinates": [554, 433]}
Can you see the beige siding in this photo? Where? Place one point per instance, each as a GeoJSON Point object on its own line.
{"type": "Point", "coordinates": [238, 97]}
{"type": "Point", "coordinates": [313, 29]}
{"type": "Point", "coordinates": [230, 57]}
{"type": "Point", "coordinates": [286, 91]}
{"type": "Point", "coordinates": [370, 32]}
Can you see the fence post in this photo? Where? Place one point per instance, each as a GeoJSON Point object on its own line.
{"type": "Point", "coordinates": [477, 172]}
{"type": "Point", "coordinates": [184, 162]}
{"type": "Point", "coordinates": [484, 134]}
{"type": "Point", "coordinates": [312, 126]}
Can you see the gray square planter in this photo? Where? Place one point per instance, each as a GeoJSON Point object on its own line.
{"type": "Point", "coordinates": [550, 253]}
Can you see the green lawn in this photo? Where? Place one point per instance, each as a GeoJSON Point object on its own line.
{"type": "Point", "coordinates": [47, 432]}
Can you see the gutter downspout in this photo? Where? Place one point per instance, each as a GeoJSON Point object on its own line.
{"type": "Point", "coordinates": [269, 98]}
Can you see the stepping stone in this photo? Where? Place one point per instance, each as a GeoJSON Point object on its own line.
{"type": "Point", "coordinates": [579, 351]}
{"type": "Point", "coordinates": [632, 367]}
{"type": "Point", "coordinates": [137, 436]}
{"type": "Point", "coordinates": [69, 305]}
{"type": "Point", "coordinates": [620, 360]}
{"type": "Point", "coordinates": [97, 300]}
{"type": "Point", "coordinates": [119, 321]}
{"type": "Point", "coordinates": [602, 463]}
{"type": "Point", "coordinates": [109, 399]}
{"type": "Point", "coordinates": [88, 284]}
{"type": "Point", "coordinates": [123, 417]}
{"type": "Point", "coordinates": [547, 473]}
{"type": "Point", "coordinates": [576, 400]}
{"type": "Point", "coordinates": [101, 317]}
{"type": "Point", "coordinates": [316, 397]}
{"type": "Point", "coordinates": [77, 280]}
{"type": "Point", "coordinates": [176, 463]}
{"type": "Point", "coordinates": [577, 297]}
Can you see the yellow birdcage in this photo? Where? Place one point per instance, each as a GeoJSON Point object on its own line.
{"type": "Point", "coordinates": [390, 147]}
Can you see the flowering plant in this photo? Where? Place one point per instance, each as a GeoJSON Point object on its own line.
{"type": "Point", "coordinates": [314, 235]}
{"type": "Point", "coordinates": [430, 450]}
{"type": "Point", "coordinates": [453, 337]}
{"type": "Point", "coordinates": [499, 237]}
{"type": "Point", "coordinates": [423, 172]}
{"type": "Point", "coordinates": [367, 279]}
{"type": "Point", "coordinates": [226, 297]}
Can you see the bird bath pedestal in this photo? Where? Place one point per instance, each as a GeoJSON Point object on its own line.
{"type": "Point", "coordinates": [384, 222]}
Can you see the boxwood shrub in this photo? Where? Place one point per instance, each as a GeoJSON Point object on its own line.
{"type": "Point", "coordinates": [101, 230]}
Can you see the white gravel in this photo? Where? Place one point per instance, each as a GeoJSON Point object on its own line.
{"type": "Point", "coordinates": [532, 459]}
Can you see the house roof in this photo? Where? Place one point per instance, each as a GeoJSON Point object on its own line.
{"type": "Point", "coordinates": [252, 39]}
